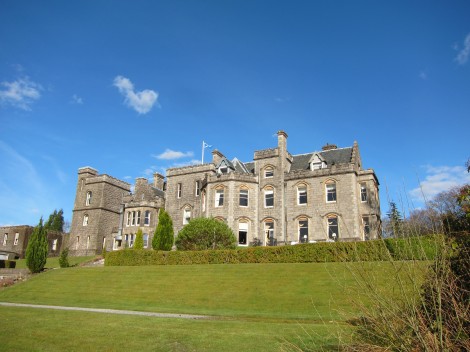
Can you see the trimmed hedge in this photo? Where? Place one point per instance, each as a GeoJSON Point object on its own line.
{"type": "Point", "coordinates": [10, 264]}
{"type": "Point", "coordinates": [422, 248]}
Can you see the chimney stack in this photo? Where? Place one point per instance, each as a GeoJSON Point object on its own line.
{"type": "Point", "coordinates": [158, 180]}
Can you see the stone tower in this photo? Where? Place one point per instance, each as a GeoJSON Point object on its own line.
{"type": "Point", "coordinates": [96, 212]}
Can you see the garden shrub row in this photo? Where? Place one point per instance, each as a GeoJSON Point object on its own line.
{"type": "Point", "coordinates": [9, 264]}
{"type": "Point", "coordinates": [423, 248]}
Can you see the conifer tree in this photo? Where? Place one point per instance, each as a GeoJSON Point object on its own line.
{"type": "Point", "coordinates": [163, 237]}
{"type": "Point", "coordinates": [36, 252]}
{"type": "Point", "coordinates": [396, 220]}
{"type": "Point", "coordinates": [139, 240]}
{"type": "Point", "coordinates": [55, 221]}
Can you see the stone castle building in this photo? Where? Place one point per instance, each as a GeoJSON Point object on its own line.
{"type": "Point", "coordinates": [276, 199]}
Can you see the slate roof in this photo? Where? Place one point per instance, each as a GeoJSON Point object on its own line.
{"type": "Point", "coordinates": [334, 156]}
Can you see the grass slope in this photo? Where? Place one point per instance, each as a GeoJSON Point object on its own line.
{"type": "Point", "coordinates": [259, 306]}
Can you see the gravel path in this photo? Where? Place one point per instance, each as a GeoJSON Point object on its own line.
{"type": "Point", "coordinates": [109, 311]}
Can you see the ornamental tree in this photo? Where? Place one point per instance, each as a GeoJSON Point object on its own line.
{"type": "Point", "coordinates": [163, 236]}
{"type": "Point", "coordinates": [139, 240]}
{"type": "Point", "coordinates": [205, 233]}
{"type": "Point", "coordinates": [36, 252]}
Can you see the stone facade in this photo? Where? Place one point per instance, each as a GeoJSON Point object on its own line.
{"type": "Point", "coordinates": [107, 214]}
{"type": "Point", "coordinates": [276, 199]}
{"type": "Point", "coordinates": [280, 198]}
{"type": "Point", "coordinates": [14, 241]}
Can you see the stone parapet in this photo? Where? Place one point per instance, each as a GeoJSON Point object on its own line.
{"type": "Point", "coordinates": [192, 169]}
{"type": "Point", "coordinates": [266, 153]}
{"type": "Point", "coordinates": [109, 179]}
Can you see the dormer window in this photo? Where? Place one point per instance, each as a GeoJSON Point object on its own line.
{"type": "Point", "coordinates": [317, 162]}
{"type": "Point", "coordinates": [223, 169]}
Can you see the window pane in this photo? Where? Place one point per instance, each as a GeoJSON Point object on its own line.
{"type": "Point", "coordinates": [363, 193]}
{"type": "Point", "coordinates": [303, 231]}
{"type": "Point", "coordinates": [333, 230]}
{"type": "Point", "coordinates": [269, 198]}
{"type": "Point", "coordinates": [302, 195]}
{"type": "Point", "coordinates": [331, 192]}
{"type": "Point", "coordinates": [244, 198]}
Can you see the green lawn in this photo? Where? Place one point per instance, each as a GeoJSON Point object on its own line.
{"type": "Point", "coordinates": [53, 262]}
{"type": "Point", "coordinates": [258, 306]}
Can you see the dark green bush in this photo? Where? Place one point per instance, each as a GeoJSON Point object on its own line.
{"type": "Point", "coordinates": [378, 250]}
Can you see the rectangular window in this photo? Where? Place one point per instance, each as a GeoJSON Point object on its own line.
{"type": "Point", "coordinates": [302, 195]}
{"type": "Point", "coordinates": [138, 218]}
{"type": "Point", "coordinates": [87, 242]}
{"type": "Point", "coordinates": [331, 192]}
{"type": "Point", "coordinates": [363, 192]}
{"type": "Point", "coordinates": [366, 227]}
{"type": "Point", "coordinates": [219, 198]}
{"type": "Point", "coordinates": [85, 220]}
{"type": "Point", "coordinates": [269, 232]}
{"type": "Point", "coordinates": [179, 190]}
{"type": "Point", "coordinates": [268, 198]}
{"type": "Point", "coordinates": [268, 173]}
{"type": "Point", "coordinates": [17, 237]}
{"type": "Point", "coordinates": [131, 243]}
{"type": "Point", "coordinates": [197, 188]}
{"type": "Point", "coordinates": [54, 245]}
{"type": "Point", "coordinates": [303, 231]}
{"type": "Point", "coordinates": [133, 219]}
{"type": "Point", "coordinates": [5, 239]}
{"type": "Point", "coordinates": [186, 216]}
{"type": "Point", "coordinates": [203, 200]}
{"type": "Point", "coordinates": [88, 198]}
{"type": "Point", "coordinates": [146, 240]}
{"type": "Point", "coordinates": [128, 218]}
{"type": "Point", "coordinates": [243, 198]}
{"type": "Point", "coordinates": [333, 230]}
{"type": "Point", "coordinates": [242, 233]}
{"type": "Point", "coordinates": [147, 218]}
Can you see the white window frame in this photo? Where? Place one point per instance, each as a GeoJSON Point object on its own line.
{"type": "Point", "coordinates": [138, 218]}
{"type": "Point", "coordinates": [17, 237]}
{"type": "Point", "coordinates": [133, 218]}
{"type": "Point", "coordinates": [146, 240]}
{"type": "Point", "coordinates": [330, 188]}
{"type": "Point", "coordinates": [131, 240]}
{"type": "Point", "coordinates": [54, 245]}
{"type": "Point", "coordinates": [334, 238]}
{"type": "Point", "coordinates": [179, 190]}
{"type": "Point", "coordinates": [268, 192]}
{"type": "Point", "coordinates": [89, 194]}
{"type": "Point", "coordinates": [268, 230]}
{"type": "Point", "coordinates": [197, 187]}
{"type": "Point", "coordinates": [5, 239]}
{"type": "Point", "coordinates": [203, 200]}
{"type": "Point", "coordinates": [303, 238]}
{"type": "Point", "coordinates": [219, 197]}
{"type": "Point", "coordinates": [128, 218]}
{"type": "Point", "coordinates": [269, 172]}
{"type": "Point", "coordinates": [186, 216]}
{"type": "Point", "coordinates": [243, 227]}
{"type": "Point", "coordinates": [86, 220]}
{"type": "Point", "coordinates": [366, 226]}
{"type": "Point", "coordinates": [147, 218]}
{"type": "Point", "coordinates": [302, 189]}
{"type": "Point", "coordinates": [363, 193]}
{"type": "Point", "coordinates": [246, 194]}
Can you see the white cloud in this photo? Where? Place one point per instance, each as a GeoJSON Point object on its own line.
{"type": "Point", "coordinates": [20, 93]}
{"type": "Point", "coordinates": [439, 179]}
{"type": "Point", "coordinates": [142, 101]}
{"type": "Point", "coordinates": [462, 56]}
{"type": "Point", "coordinates": [186, 163]}
{"type": "Point", "coordinates": [423, 75]}
{"type": "Point", "coordinates": [169, 154]}
{"type": "Point", "coordinates": [76, 99]}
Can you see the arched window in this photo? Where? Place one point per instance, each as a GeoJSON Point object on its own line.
{"type": "Point", "coordinates": [330, 189]}
{"type": "Point", "coordinates": [302, 194]}
{"type": "Point", "coordinates": [303, 230]}
{"type": "Point", "coordinates": [268, 172]}
{"type": "Point", "coordinates": [85, 220]}
{"type": "Point", "coordinates": [333, 228]}
{"type": "Point", "coordinates": [88, 198]}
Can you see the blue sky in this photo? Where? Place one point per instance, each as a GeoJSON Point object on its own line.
{"type": "Point", "coordinates": [133, 87]}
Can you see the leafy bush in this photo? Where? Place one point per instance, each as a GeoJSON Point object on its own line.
{"type": "Point", "coordinates": [205, 233]}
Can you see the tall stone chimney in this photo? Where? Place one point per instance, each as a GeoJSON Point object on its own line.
{"type": "Point", "coordinates": [158, 180]}
{"type": "Point", "coordinates": [282, 142]}
{"type": "Point", "coordinates": [216, 156]}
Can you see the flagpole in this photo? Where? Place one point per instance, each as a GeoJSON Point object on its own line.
{"type": "Point", "coordinates": [202, 160]}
